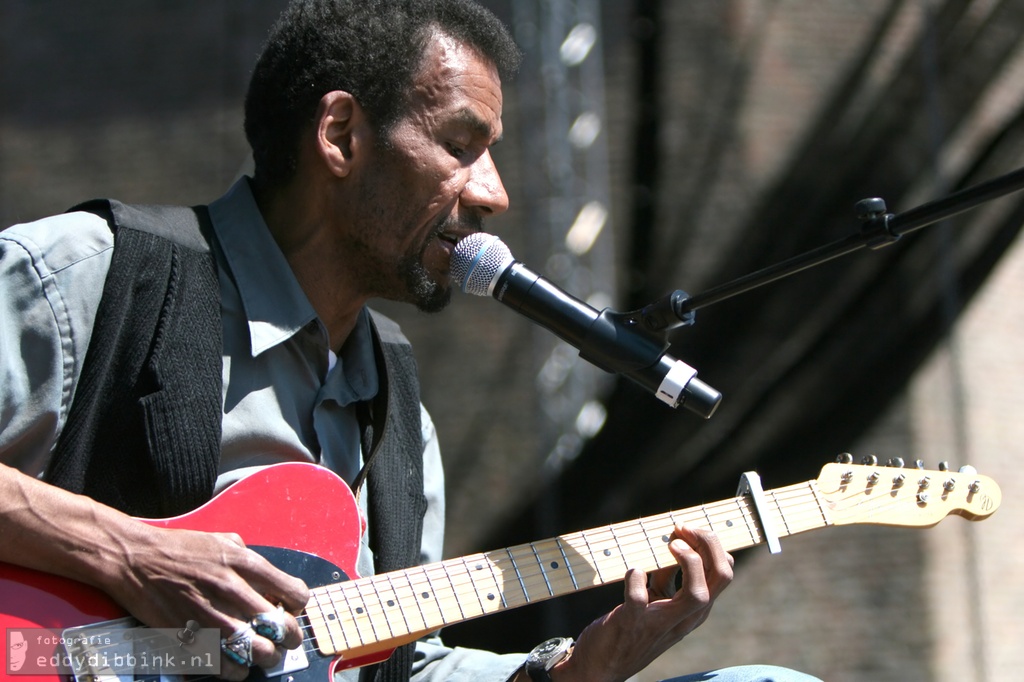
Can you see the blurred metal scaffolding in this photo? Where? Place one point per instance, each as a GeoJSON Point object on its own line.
{"type": "Point", "coordinates": [567, 201]}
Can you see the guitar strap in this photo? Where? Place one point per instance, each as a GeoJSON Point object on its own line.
{"type": "Point", "coordinates": [392, 435]}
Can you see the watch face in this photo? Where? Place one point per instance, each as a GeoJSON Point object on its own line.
{"type": "Point", "coordinates": [546, 654]}
{"type": "Point", "coordinates": [545, 649]}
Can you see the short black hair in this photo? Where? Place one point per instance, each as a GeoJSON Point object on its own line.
{"type": "Point", "coordinates": [369, 48]}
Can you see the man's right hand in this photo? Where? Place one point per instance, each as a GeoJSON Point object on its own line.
{"type": "Point", "coordinates": [163, 577]}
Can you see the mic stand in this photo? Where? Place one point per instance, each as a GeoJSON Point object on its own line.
{"type": "Point", "coordinates": [878, 229]}
{"type": "Point", "coordinates": [635, 344]}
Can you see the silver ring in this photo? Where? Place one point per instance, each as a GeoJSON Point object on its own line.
{"type": "Point", "coordinates": [270, 624]}
{"type": "Point", "coordinates": [238, 647]}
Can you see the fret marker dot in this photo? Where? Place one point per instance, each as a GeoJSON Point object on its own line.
{"type": "Point", "coordinates": [554, 564]}
{"type": "Point", "coordinates": [729, 523]}
{"type": "Point", "coordinates": [490, 597]}
{"type": "Point", "coordinates": [391, 602]}
{"type": "Point", "coordinates": [359, 609]}
{"type": "Point", "coordinates": [607, 552]}
{"type": "Point", "coordinates": [426, 595]}
{"type": "Point", "coordinates": [665, 539]}
{"type": "Point", "coordinates": [479, 567]}
{"type": "Point", "coordinates": [331, 616]}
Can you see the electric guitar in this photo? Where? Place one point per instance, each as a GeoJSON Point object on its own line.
{"type": "Point", "coordinates": [304, 519]}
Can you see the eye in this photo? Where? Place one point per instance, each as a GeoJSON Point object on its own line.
{"type": "Point", "coordinates": [456, 150]}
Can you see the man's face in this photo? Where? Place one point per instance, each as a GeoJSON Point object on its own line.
{"type": "Point", "coordinates": [432, 180]}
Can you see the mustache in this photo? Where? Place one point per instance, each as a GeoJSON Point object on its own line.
{"type": "Point", "coordinates": [450, 223]}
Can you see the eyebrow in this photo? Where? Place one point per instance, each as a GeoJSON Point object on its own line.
{"type": "Point", "coordinates": [477, 125]}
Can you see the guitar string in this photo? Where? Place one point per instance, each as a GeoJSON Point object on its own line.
{"type": "Point", "coordinates": [432, 573]}
{"type": "Point", "coordinates": [644, 542]}
{"type": "Point", "coordinates": [644, 536]}
{"type": "Point", "coordinates": [809, 507]}
{"type": "Point", "coordinates": [627, 537]}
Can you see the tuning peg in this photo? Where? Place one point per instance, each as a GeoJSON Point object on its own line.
{"type": "Point", "coordinates": [943, 466]}
{"type": "Point", "coordinates": [968, 469]}
{"type": "Point", "coordinates": [844, 458]}
{"type": "Point", "coordinates": [919, 464]}
{"type": "Point", "coordinates": [896, 462]}
{"type": "Point", "coordinates": [870, 460]}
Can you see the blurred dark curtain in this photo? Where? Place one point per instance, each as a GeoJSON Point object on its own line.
{"type": "Point", "coordinates": [806, 364]}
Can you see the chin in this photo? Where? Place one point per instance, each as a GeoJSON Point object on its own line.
{"type": "Point", "coordinates": [435, 301]}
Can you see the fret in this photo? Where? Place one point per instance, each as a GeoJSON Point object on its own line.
{"type": "Point", "coordinates": [519, 576]}
{"type": "Point", "coordinates": [495, 593]}
{"type": "Point", "coordinates": [580, 545]}
{"type": "Point", "coordinates": [707, 518]}
{"type": "Point", "coordinates": [816, 494]}
{"type": "Point", "coordinates": [352, 623]}
{"type": "Point", "coordinates": [369, 598]}
{"type": "Point", "coordinates": [455, 591]}
{"type": "Point", "coordinates": [426, 589]}
{"type": "Point", "coordinates": [753, 528]}
{"type": "Point", "coordinates": [326, 626]}
{"type": "Point", "coordinates": [781, 528]}
{"type": "Point", "coordinates": [543, 571]}
{"type": "Point", "coordinates": [555, 566]}
{"type": "Point", "coordinates": [618, 546]}
{"type": "Point", "coordinates": [733, 513]}
{"type": "Point", "coordinates": [567, 563]}
{"type": "Point", "coordinates": [355, 606]}
{"type": "Point", "coordinates": [414, 596]}
{"type": "Point", "coordinates": [592, 562]}
{"type": "Point", "coordinates": [479, 568]}
{"type": "Point", "coordinates": [611, 553]}
{"type": "Point", "coordinates": [655, 539]}
{"type": "Point", "coordinates": [394, 605]}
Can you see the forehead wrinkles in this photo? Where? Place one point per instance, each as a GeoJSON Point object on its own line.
{"type": "Point", "coordinates": [455, 77]}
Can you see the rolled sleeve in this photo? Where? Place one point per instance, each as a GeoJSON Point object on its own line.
{"type": "Point", "coordinates": [51, 279]}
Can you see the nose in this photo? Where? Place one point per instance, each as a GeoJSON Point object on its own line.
{"type": "Point", "coordinates": [484, 191]}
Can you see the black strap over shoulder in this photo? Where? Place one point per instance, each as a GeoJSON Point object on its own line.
{"type": "Point", "coordinates": [143, 432]}
{"type": "Point", "coordinates": [393, 439]}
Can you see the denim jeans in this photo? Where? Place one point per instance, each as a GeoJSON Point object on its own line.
{"type": "Point", "coordinates": [747, 673]}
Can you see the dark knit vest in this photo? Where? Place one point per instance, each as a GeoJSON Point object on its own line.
{"type": "Point", "coordinates": [143, 432]}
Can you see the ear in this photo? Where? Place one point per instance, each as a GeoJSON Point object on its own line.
{"type": "Point", "coordinates": [340, 128]}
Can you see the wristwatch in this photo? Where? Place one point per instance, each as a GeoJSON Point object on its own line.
{"type": "Point", "coordinates": [546, 656]}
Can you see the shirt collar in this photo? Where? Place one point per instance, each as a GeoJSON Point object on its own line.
{"type": "Point", "coordinates": [275, 305]}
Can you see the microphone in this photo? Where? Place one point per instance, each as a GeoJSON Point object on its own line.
{"type": "Point", "coordinates": [482, 265]}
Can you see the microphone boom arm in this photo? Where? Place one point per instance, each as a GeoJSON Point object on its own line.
{"type": "Point", "coordinates": [878, 229]}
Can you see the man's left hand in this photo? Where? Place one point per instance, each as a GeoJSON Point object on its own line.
{"type": "Point", "coordinates": [651, 620]}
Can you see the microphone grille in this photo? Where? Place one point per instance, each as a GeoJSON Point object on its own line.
{"type": "Point", "coordinates": [477, 260]}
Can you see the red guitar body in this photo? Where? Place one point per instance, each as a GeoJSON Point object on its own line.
{"type": "Point", "coordinates": [302, 517]}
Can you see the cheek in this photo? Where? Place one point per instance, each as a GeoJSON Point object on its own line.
{"type": "Point", "coordinates": [445, 190]}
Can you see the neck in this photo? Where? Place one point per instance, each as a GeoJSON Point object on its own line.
{"type": "Point", "coordinates": [295, 217]}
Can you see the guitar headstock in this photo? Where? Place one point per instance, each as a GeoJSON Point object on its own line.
{"type": "Point", "coordinates": [895, 496]}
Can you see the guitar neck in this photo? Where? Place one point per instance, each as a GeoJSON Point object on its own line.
{"type": "Point", "coordinates": [364, 616]}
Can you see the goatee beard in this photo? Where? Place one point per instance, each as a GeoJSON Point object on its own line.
{"type": "Point", "coordinates": [425, 293]}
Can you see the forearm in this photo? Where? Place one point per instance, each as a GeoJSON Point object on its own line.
{"type": "Point", "coordinates": [49, 529]}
